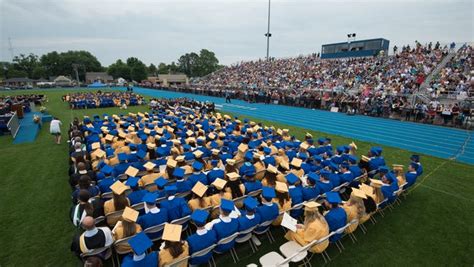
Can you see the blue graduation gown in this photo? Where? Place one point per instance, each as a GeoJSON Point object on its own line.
{"type": "Point", "coordinates": [246, 223]}
{"type": "Point", "coordinates": [183, 186]}
{"type": "Point", "coordinates": [336, 218]}
{"type": "Point", "coordinates": [338, 159]}
{"type": "Point", "coordinates": [120, 168]}
{"type": "Point", "coordinates": [213, 174]}
{"type": "Point", "coordinates": [419, 170]}
{"type": "Point", "coordinates": [387, 192]}
{"type": "Point", "coordinates": [136, 197]}
{"type": "Point", "coordinates": [150, 260]}
{"type": "Point", "coordinates": [252, 186]}
{"type": "Point", "coordinates": [177, 208]}
{"type": "Point", "coordinates": [411, 179]}
{"type": "Point", "coordinates": [194, 178]}
{"type": "Point", "coordinates": [346, 177]}
{"type": "Point", "coordinates": [335, 179]}
{"type": "Point", "coordinates": [223, 230]}
{"type": "Point", "coordinates": [198, 242]}
{"type": "Point", "coordinates": [104, 184]}
{"type": "Point", "coordinates": [310, 192]}
{"type": "Point", "coordinates": [355, 170]}
{"type": "Point", "coordinates": [267, 213]}
{"type": "Point", "coordinates": [151, 219]}
{"type": "Point", "coordinates": [296, 195]}
{"type": "Point", "coordinates": [324, 187]}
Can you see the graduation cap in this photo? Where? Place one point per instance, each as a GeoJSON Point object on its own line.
{"type": "Point", "coordinates": [352, 159]}
{"type": "Point", "coordinates": [132, 181]}
{"type": "Point", "coordinates": [106, 169]}
{"type": "Point", "coordinates": [109, 137]}
{"type": "Point", "coordinates": [314, 177]}
{"type": "Point", "coordinates": [284, 164]}
{"type": "Point", "coordinates": [95, 145]}
{"type": "Point", "coordinates": [296, 162]}
{"type": "Point", "coordinates": [281, 187]}
{"type": "Point", "coordinates": [150, 198]}
{"type": "Point", "coordinates": [130, 215]}
{"type": "Point", "coordinates": [160, 182]}
{"type": "Point", "coordinates": [368, 190]}
{"type": "Point", "coordinates": [358, 193]}
{"type": "Point", "coordinates": [198, 153]}
{"type": "Point", "coordinates": [219, 183]}
{"type": "Point", "coordinates": [311, 206]}
{"type": "Point", "coordinates": [171, 189]}
{"type": "Point", "coordinates": [268, 192]}
{"type": "Point", "coordinates": [199, 189]}
{"type": "Point", "coordinates": [171, 163]}
{"type": "Point", "coordinates": [178, 172]}
{"type": "Point", "coordinates": [272, 169]}
{"type": "Point", "coordinates": [149, 166]}
{"type": "Point", "coordinates": [333, 197]}
{"type": "Point", "coordinates": [99, 153]}
{"type": "Point", "coordinates": [131, 171]}
{"type": "Point", "coordinates": [267, 150]}
{"type": "Point", "coordinates": [172, 232]}
{"type": "Point", "coordinates": [233, 176]}
{"type": "Point", "coordinates": [250, 203]}
{"type": "Point", "coordinates": [415, 158]}
{"type": "Point", "coordinates": [376, 183]}
{"type": "Point", "coordinates": [364, 158]}
{"type": "Point", "coordinates": [383, 169]}
{"type": "Point", "coordinates": [180, 158]}
{"type": "Point", "coordinates": [309, 135]}
{"type": "Point", "coordinates": [197, 165]}
{"type": "Point", "coordinates": [141, 154]}
{"type": "Point", "coordinates": [140, 243]}
{"type": "Point", "coordinates": [304, 145]}
{"type": "Point", "coordinates": [291, 178]}
{"type": "Point", "coordinates": [122, 156]}
{"type": "Point", "coordinates": [242, 147]}
{"type": "Point", "coordinates": [227, 205]}
{"type": "Point", "coordinates": [321, 140]}
{"type": "Point", "coordinates": [199, 217]}
{"type": "Point", "coordinates": [118, 187]}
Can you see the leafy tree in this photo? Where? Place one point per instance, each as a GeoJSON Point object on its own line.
{"type": "Point", "coordinates": [195, 65]}
{"type": "Point", "coordinates": [39, 72]}
{"type": "Point", "coordinates": [119, 70]}
{"type": "Point", "coordinates": [189, 64]}
{"type": "Point", "coordinates": [138, 70]}
{"type": "Point", "coordinates": [14, 73]}
{"type": "Point", "coordinates": [163, 68]}
{"type": "Point", "coordinates": [57, 64]}
{"type": "Point", "coordinates": [152, 69]}
{"type": "Point", "coordinates": [25, 63]}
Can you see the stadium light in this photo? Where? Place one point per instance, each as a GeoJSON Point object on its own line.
{"type": "Point", "coordinates": [268, 34]}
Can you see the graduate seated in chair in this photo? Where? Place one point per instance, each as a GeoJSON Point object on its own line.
{"type": "Point", "coordinates": [153, 215]}
{"type": "Point", "coordinates": [173, 248]}
{"type": "Point", "coordinates": [354, 208]}
{"type": "Point", "coordinates": [249, 217]}
{"type": "Point", "coordinates": [118, 202]}
{"type": "Point", "coordinates": [411, 175]}
{"type": "Point", "coordinates": [92, 238]}
{"type": "Point", "coordinates": [127, 226]}
{"type": "Point", "coordinates": [176, 206]}
{"type": "Point", "coordinates": [314, 227]}
{"type": "Point", "coordinates": [140, 243]}
{"type": "Point", "coordinates": [336, 216]}
{"type": "Point", "coordinates": [202, 238]}
{"type": "Point", "coordinates": [225, 225]}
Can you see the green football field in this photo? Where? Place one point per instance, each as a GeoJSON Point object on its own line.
{"type": "Point", "coordinates": [433, 226]}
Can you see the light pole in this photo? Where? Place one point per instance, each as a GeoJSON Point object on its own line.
{"type": "Point", "coordinates": [268, 34]}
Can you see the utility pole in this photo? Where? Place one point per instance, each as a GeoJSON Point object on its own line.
{"type": "Point", "coordinates": [268, 34]}
{"type": "Point", "coordinates": [75, 67]}
{"type": "Point", "coordinates": [10, 47]}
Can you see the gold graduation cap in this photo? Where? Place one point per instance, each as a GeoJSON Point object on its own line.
{"type": "Point", "coordinates": [279, 131]}
{"type": "Point", "coordinates": [122, 134]}
{"type": "Point", "coordinates": [147, 131]}
{"type": "Point", "coordinates": [364, 158]}
{"type": "Point", "coordinates": [99, 153]}
{"type": "Point", "coordinates": [199, 189]}
{"type": "Point", "coordinates": [141, 114]}
{"type": "Point", "coordinates": [285, 131]}
{"type": "Point", "coordinates": [227, 117]}
{"type": "Point", "coordinates": [95, 145]}
{"type": "Point", "coordinates": [296, 162]}
{"type": "Point", "coordinates": [215, 151]}
{"type": "Point", "coordinates": [198, 153]}
{"type": "Point", "coordinates": [170, 129]}
{"type": "Point", "coordinates": [352, 144]}
{"type": "Point", "coordinates": [131, 171]}
{"type": "Point", "coordinates": [180, 158]}
{"type": "Point", "coordinates": [109, 137]}
{"type": "Point", "coordinates": [159, 130]}
{"type": "Point", "coordinates": [171, 163]}
{"type": "Point", "coordinates": [311, 205]}
{"type": "Point", "coordinates": [272, 169]}
{"type": "Point", "coordinates": [309, 135]}
{"type": "Point", "coordinates": [304, 145]}
{"type": "Point", "coordinates": [219, 183]}
{"type": "Point", "coordinates": [149, 166]}
{"type": "Point", "coordinates": [376, 183]}
{"type": "Point", "coordinates": [172, 232]}
{"type": "Point", "coordinates": [238, 121]}
{"type": "Point", "coordinates": [284, 164]}
{"type": "Point", "coordinates": [358, 193]}
{"type": "Point", "coordinates": [150, 145]}
{"type": "Point", "coordinates": [233, 176]}
{"type": "Point", "coordinates": [221, 134]}
{"type": "Point", "coordinates": [231, 162]}
{"type": "Point", "coordinates": [118, 188]}
{"type": "Point", "coordinates": [212, 135]}
{"type": "Point", "coordinates": [397, 167]}
{"type": "Point", "coordinates": [189, 132]}
{"type": "Point", "coordinates": [130, 214]}
{"type": "Point", "coordinates": [281, 187]}
{"type": "Point", "coordinates": [243, 147]}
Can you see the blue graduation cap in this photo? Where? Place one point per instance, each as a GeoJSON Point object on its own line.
{"type": "Point", "coordinates": [140, 243]}
{"type": "Point", "coordinates": [100, 176]}
{"type": "Point", "coordinates": [214, 144]}
{"type": "Point", "coordinates": [314, 177]}
{"type": "Point", "coordinates": [291, 178]}
{"type": "Point", "coordinates": [160, 182]}
{"type": "Point", "coordinates": [214, 162]}
{"type": "Point", "coordinates": [268, 192]}
{"type": "Point", "coordinates": [178, 172]}
{"type": "Point", "coordinates": [250, 203]}
{"type": "Point", "coordinates": [171, 189]}
{"type": "Point", "coordinates": [109, 152]}
{"type": "Point", "coordinates": [267, 150]}
{"type": "Point", "coordinates": [324, 173]}
{"type": "Point", "coordinates": [107, 169]}
{"type": "Point", "coordinates": [303, 156]}
{"type": "Point", "coordinates": [391, 177]}
{"type": "Point", "coordinates": [383, 169]}
{"type": "Point", "coordinates": [345, 165]}
{"type": "Point", "coordinates": [199, 217]}
{"type": "Point", "coordinates": [340, 149]}
{"type": "Point", "coordinates": [414, 165]}
{"type": "Point", "coordinates": [141, 154]}
{"type": "Point", "coordinates": [227, 205]}
{"type": "Point", "coordinates": [352, 159]}
{"type": "Point", "coordinates": [132, 181]}
{"type": "Point", "coordinates": [415, 158]}
{"type": "Point", "coordinates": [122, 156]}
{"type": "Point", "coordinates": [132, 146]}
{"type": "Point", "coordinates": [150, 198]}
{"type": "Point", "coordinates": [321, 140]}
{"type": "Point", "coordinates": [333, 166]}
{"type": "Point", "coordinates": [333, 197]}
{"type": "Point", "coordinates": [143, 137]}
{"type": "Point", "coordinates": [197, 165]}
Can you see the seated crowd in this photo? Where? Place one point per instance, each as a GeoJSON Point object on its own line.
{"type": "Point", "coordinates": [7, 103]}
{"type": "Point", "coordinates": [99, 99]}
{"type": "Point", "coordinates": [144, 177]}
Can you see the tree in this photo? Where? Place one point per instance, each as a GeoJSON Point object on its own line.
{"type": "Point", "coordinates": [56, 64]}
{"type": "Point", "coordinates": [208, 62]}
{"type": "Point", "coordinates": [152, 69]}
{"type": "Point", "coordinates": [119, 70]}
{"type": "Point", "coordinates": [25, 63]}
{"type": "Point", "coordinates": [163, 68]}
{"type": "Point", "coordinates": [189, 64]}
{"type": "Point", "coordinates": [195, 65]}
{"type": "Point", "coordinates": [39, 72]}
{"type": "Point", "coordinates": [138, 70]}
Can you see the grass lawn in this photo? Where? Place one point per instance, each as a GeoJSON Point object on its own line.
{"type": "Point", "coordinates": [434, 225]}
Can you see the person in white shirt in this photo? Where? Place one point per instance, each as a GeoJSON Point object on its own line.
{"type": "Point", "coordinates": [55, 129]}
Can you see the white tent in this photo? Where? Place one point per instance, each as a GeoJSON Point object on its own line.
{"type": "Point", "coordinates": [121, 81]}
{"type": "Point", "coordinates": [62, 81]}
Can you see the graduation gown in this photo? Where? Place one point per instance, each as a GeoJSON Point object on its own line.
{"type": "Point", "coordinates": [152, 219]}
{"type": "Point", "coordinates": [177, 208]}
{"type": "Point", "coordinates": [109, 206]}
{"type": "Point", "coordinates": [166, 258]}
{"type": "Point", "coordinates": [246, 222]}
{"type": "Point", "coordinates": [216, 202]}
{"type": "Point", "coordinates": [149, 260]}
{"type": "Point", "coordinates": [410, 178]}
{"type": "Point", "coordinates": [267, 212]}
{"type": "Point", "coordinates": [310, 192]}
{"type": "Point", "coordinates": [199, 241]}
{"type": "Point", "coordinates": [324, 187]}
{"type": "Point", "coordinates": [148, 179]}
{"type": "Point", "coordinates": [351, 212]}
{"type": "Point", "coordinates": [224, 229]}
{"type": "Point", "coordinates": [296, 195]}
{"type": "Point", "coordinates": [315, 230]}
{"type": "Point", "coordinates": [336, 218]}
{"type": "Point", "coordinates": [286, 206]}
{"type": "Point", "coordinates": [195, 203]}
{"type": "Point", "coordinates": [119, 234]}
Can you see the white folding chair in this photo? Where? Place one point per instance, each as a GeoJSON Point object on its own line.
{"type": "Point", "coordinates": [178, 262]}
{"type": "Point", "coordinates": [272, 259]}
{"type": "Point", "coordinates": [205, 252]}
{"type": "Point", "coordinates": [153, 230]}
{"type": "Point", "coordinates": [138, 206]}
{"type": "Point", "coordinates": [245, 236]}
{"type": "Point", "coordinates": [182, 221]}
{"type": "Point", "coordinates": [227, 240]}
{"type": "Point", "coordinates": [97, 251]}
{"type": "Point", "coordinates": [265, 231]}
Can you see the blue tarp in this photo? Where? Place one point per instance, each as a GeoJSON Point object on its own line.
{"type": "Point", "coordinates": [96, 85]}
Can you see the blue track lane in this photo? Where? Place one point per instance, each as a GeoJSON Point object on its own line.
{"type": "Point", "coordinates": [432, 140]}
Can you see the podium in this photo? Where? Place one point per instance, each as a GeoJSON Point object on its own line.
{"type": "Point", "coordinates": [19, 110]}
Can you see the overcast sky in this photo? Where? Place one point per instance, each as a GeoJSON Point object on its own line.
{"type": "Point", "coordinates": [160, 31]}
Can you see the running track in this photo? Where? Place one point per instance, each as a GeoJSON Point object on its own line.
{"type": "Point", "coordinates": [443, 142]}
